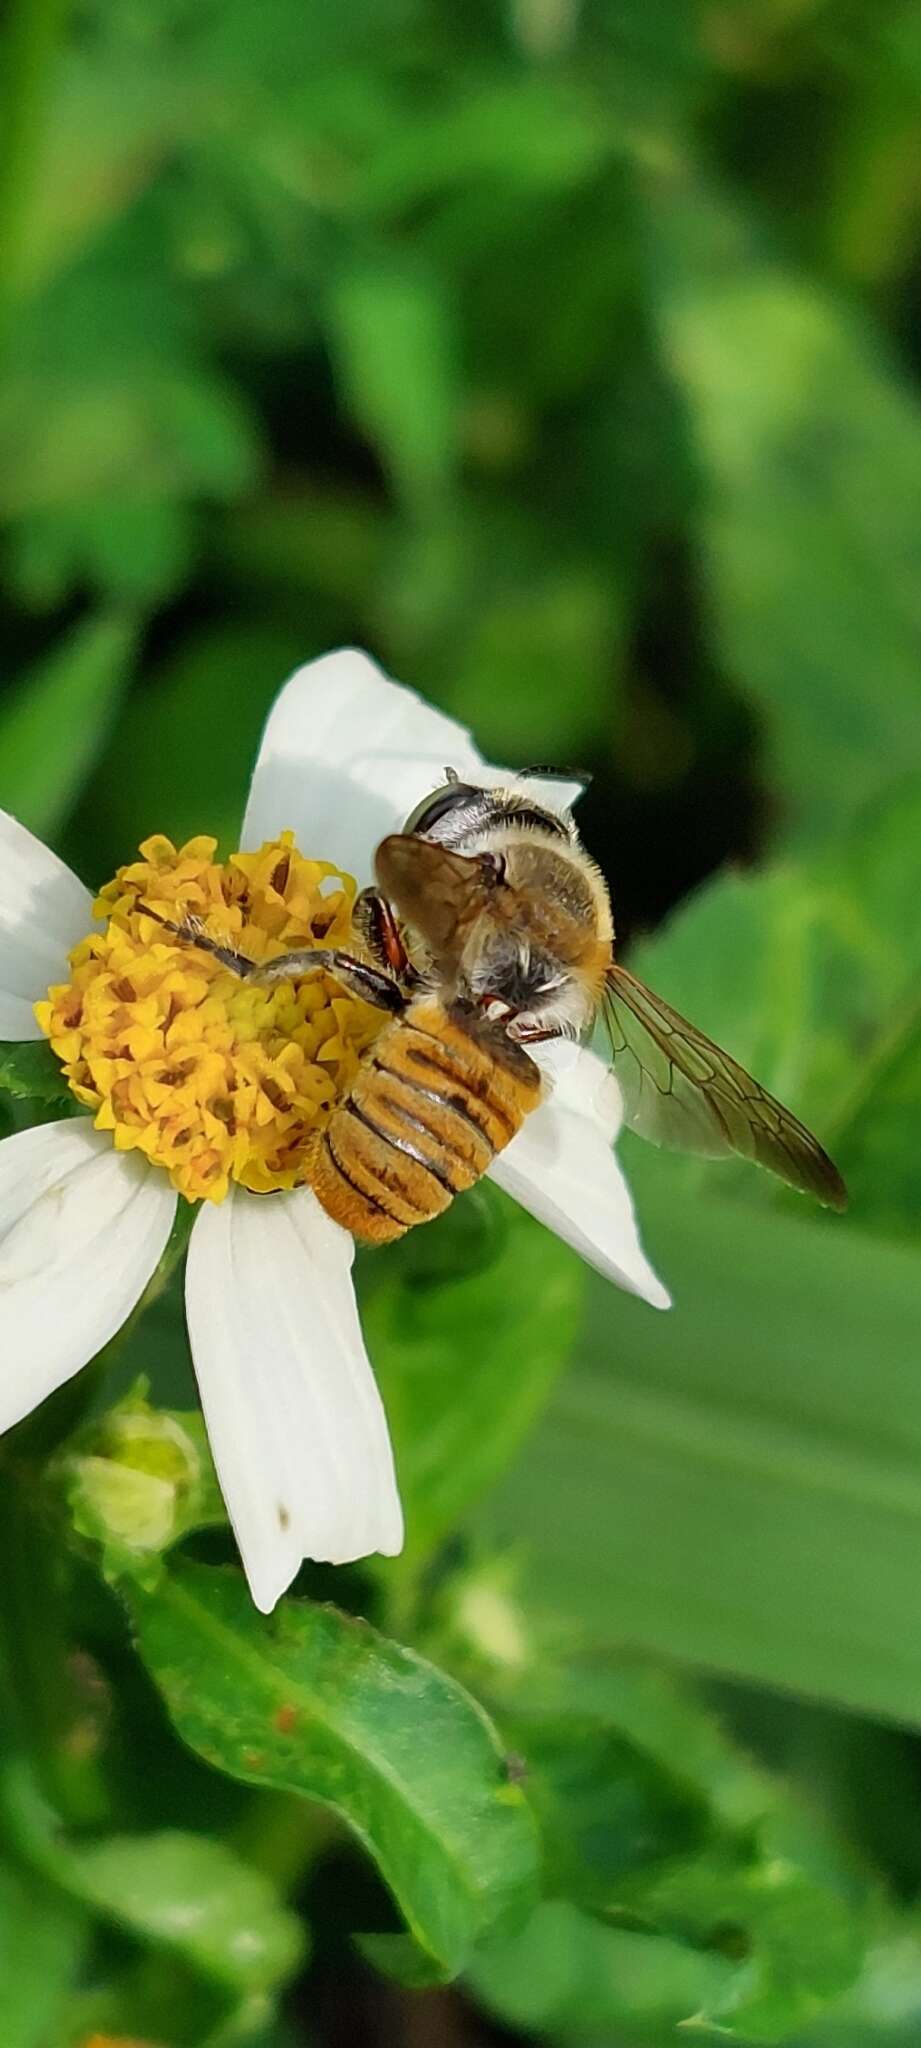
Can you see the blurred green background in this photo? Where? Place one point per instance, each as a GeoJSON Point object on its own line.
{"type": "Point", "coordinates": [565, 355]}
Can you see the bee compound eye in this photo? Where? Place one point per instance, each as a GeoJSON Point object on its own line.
{"type": "Point", "coordinates": [452, 796]}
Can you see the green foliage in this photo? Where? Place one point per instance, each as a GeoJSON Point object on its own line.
{"type": "Point", "coordinates": [43, 1939]}
{"type": "Point", "coordinates": [566, 357]}
{"type": "Point", "coordinates": [658, 1827]}
{"type": "Point", "coordinates": [573, 1978]}
{"type": "Point", "coordinates": [318, 1703]}
{"type": "Point", "coordinates": [457, 1413]}
{"type": "Point", "coordinates": [710, 1473]}
{"type": "Point", "coordinates": [810, 452]}
{"type": "Point", "coordinates": [193, 1896]}
{"type": "Point", "coordinates": [53, 730]}
{"type": "Point", "coordinates": [31, 1073]}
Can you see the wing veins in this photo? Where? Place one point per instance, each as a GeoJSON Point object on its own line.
{"type": "Point", "coordinates": [705, 1102]}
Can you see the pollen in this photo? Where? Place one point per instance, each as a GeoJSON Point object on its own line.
{"type": "Point", "coordinates": [214, 1078]}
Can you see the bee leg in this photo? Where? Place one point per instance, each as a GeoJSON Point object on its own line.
{"type": "Point", "coordinates": [376, 926]}
{"type": "Point", "coordinates": [356, 975]}
{"type": "Point", "coordinates": [192, 934]}
{"type": "Point", "coordinates": [532, 1037]}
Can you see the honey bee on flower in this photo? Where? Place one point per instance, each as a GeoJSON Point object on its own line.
{"type": "Point", "coordinates": [215, 1085]}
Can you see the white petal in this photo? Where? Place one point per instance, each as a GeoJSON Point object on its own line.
{"type": "Point", "coordinates": [44, 910]}
{"type": "Point", "coordinates": [82, 1228]}
{"type": "Point", "coordinates": [294, 1416]}
{"type": "Point", "coordinates": [561, 1167]}
{"type": "Point", "coordinates": [347, 754]}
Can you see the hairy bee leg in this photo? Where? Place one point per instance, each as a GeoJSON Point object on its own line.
{"type": "Point", "coordinates": [356, 975]}
{"type": "Point", "coordinates": [192, 934]}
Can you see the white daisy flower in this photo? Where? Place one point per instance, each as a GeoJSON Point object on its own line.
{"type": "Point", "coordinates": [207, 1087]}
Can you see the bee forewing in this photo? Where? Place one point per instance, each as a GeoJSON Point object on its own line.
{"type": "Point", "coordinates": [680, 1090]}
{"type": "Point", "coordinates": [434, 891]}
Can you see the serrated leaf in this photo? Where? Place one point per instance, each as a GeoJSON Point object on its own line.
{"type": "Point", "coordinates": [316, 1703]}
{"type": "Point", "coordinates": [31, 1073]}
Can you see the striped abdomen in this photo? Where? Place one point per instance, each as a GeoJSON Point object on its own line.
{"type": "Point", "coordinates": [429, 1109]}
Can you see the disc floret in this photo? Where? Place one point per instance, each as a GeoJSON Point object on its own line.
{"type": "Point", "coordinates": [214, 1078]}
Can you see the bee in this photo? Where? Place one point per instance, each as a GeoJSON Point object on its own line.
{"type": "Point", "coordinates": [490, 930]}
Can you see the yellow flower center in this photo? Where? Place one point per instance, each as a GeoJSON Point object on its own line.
{"type": "Point", "coordinates": [215, 1078]}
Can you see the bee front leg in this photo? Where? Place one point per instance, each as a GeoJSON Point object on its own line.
{"type": "Point", "coordinates": [528, 1035]}
{"type": "Point", "coordinates": [375, 925]}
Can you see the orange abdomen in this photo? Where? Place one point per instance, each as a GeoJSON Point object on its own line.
{"type": "Point", "coordinates": [429, 1109]}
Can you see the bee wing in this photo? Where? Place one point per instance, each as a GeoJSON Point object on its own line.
{"type": "Point", "coordinates": [681, 1091]}
{"type": "Point", "coordinates": [437, 892]}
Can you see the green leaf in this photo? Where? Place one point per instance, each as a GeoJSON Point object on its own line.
{"type": "Point", "coordinates": [537, 636]}
{"type": "Point", "coordinates": [187, 1893]}
{"type": "Point", "coordinates": [466, 1358]}
{"type": "Point", "coordinates": [401, 1959]}
{"type": "Point", "coordinates": [739, 1483]}
{"type": "Point", "coordinates": [56, 724]}
{"type": "Point", "coordinates": [316, 1703]}
{"type": "Point", "coordinates": [812, 561]}
{"type": "Point", "coordinates": [30, 1072]}
{"type": "Point", "coordinates": [883, 2009]}
{"type": "Point", "coordinates": [798, 1946]}
{"type": "Point", "coordinates": [391, 330]}
{"type": "Point", "coordinates": [568, 1976]}
{"type": "Point", "coordinates": [809, 974]}
{"type": "Point", "coordinates": [43, 1939]}
{"type": "Point", "coordinates": [148, 783]}
{"type": "Point", "coordinates": [625, 1769]}
{"type": "Point", "coordinates": [653, 1818]}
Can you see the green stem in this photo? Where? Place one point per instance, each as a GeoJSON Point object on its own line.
{"type": "Point", "coordinates": [29, 49]}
